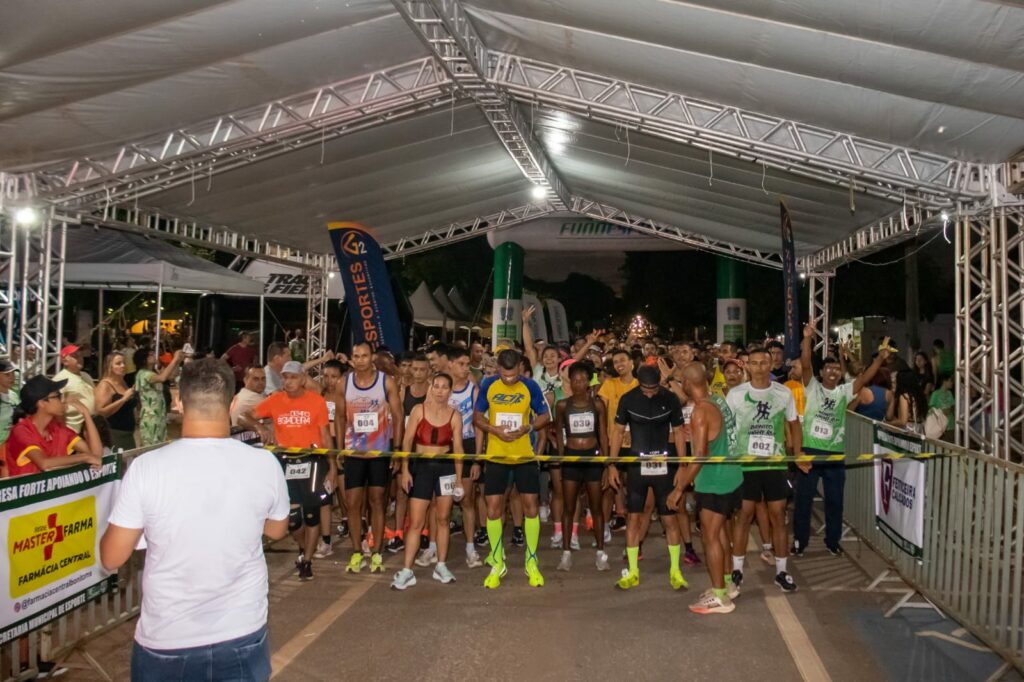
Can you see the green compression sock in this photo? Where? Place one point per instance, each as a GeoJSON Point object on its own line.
{"type": "Point", "coordinates": [673, 557]}
{"type": "Point", "coordinates": [720, 592]}
{"type": "Point", "coordinates": [633, 554]}
{"type": "Point", "coordinates": [532, 531]}
{"type": "Point", "coordinates": [494, 537]}
{"type": "Point", "coordinates": [728, 579]}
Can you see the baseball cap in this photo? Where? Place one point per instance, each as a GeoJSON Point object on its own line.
{"type": "Point", "coordinates": [648, 376]}
{"type": "Point", "coordinates": [68, 350]}
{"type": "Point", "coordinates": [733, 361]}
{"type": "Point", "coordinates": [38, 388]}
{"type": "Point", "coordinates": [292, 367]}
{"type": "Point", "coordinates": [6, 366]}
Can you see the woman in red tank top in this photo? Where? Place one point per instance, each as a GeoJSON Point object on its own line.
{"type": "Point", "coordinates": [433, 428]}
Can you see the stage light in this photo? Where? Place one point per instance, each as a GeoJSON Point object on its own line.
{"type": "Point", "coordinates": [26, 216]}
{"type": "Point", "coordinates": [330, 275]}
{"type": "Point", "coordinates": [538, 192]}
{"type": "Point", "coordinates": [803, 275]}
{"type": "Point", "coordinates": [944, 215]}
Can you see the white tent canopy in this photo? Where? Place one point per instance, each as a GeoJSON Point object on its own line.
{"type": "Point", "coordinates": [822, 102]}
{"type": "Point", "coordinates": [108, 259]}
{"type": "Point", "coordinates": [425, 309]}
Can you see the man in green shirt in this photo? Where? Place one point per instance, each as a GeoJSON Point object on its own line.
{"type": "Point", "coordinates": [824, 433]}
{"type": "Point", "coordinates": [766, 418]}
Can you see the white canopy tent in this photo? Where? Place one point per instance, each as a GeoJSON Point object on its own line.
{"type": "Point", "coordinates": [425, 310]}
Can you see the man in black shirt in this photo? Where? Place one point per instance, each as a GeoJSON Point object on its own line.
{"type": "Point", "coordinates": [648, 410]}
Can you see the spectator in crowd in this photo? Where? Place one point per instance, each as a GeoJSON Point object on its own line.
{"type": "Point", "coordinates": [297, 346]}
{"type": "Point", "coordinates": [909, 408]}
{"type": "Point", "coordinates": [873, 401]}
{"type": "Point", "coordinates": [943, 400]}
{"type": "Point", "coordinates": [240, 356]}
{"type": "Point", "coordinates": [924, 372]}
{"type": "Point", "coordinates": [9, 400]}
{"type": "Point", "coordinates": [116, 401]}
{"type": "Point", "coordinates": [277, 355]}
{"type": "Point", "coordinates": [943, 361]}
{"type": "Point", "coordinates": [251, 394]}
{"type": "Point", "coordinates": [204, 604]}
{"type": "Point", "coordinates": [77, 384]}
{"type": "Point", "coordinates": [152, 404]}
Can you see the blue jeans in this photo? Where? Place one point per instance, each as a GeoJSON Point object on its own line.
{"type": "Point", "coordinates": [245, 659]}
{"type": "Point", "coordinates": [833, 479]}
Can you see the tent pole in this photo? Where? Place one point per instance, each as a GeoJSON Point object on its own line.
{"type": "Point", "coordinates": [159, 305]}
{"type": "Point", "coordinates": [99, 315]}
{"type": "Point", "coordinates": [262, 306]}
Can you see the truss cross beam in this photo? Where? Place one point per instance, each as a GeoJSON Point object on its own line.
{"type": "Point", "coordinates": [445, 28]}
{"type": "Point", "coordinates": [878, 168]}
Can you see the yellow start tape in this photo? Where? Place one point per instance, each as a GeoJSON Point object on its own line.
{"type": "Point", "coordinates": [603, 459]}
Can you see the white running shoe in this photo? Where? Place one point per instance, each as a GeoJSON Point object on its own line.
{"type": "Point", "coordinates": [427, 557]}
{"type": "Point", "coordinates": [574, 542]}
{"type": "Point", "coordinates": [442, 574]}
{"type": "Point", "coordinates": [473, 560]}
{"type": "Point", "coordinates": [556, 541]}
{"type": "Point", "coordinates": [566, 563]}
{"type": "Point", "coordinates": [602, 561]}
{"type": "Point", "coordinates": [709, 603]}
{"type": "Point", "coordinates": [323, 549]}
{"type": "Point", "coordinates": [545, 513]}
{"type": "Point", "coordinates": [403, 579]}
{"type": "Point", "coordinates": [607, 533]}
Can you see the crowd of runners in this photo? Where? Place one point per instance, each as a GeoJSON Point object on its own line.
{"type": "Point", "coordinates": [607, 395]}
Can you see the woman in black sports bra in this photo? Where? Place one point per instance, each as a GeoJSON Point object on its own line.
{"type": "Point", "coordinates": [580, 428]}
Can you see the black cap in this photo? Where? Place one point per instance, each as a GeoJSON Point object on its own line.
{"type": "Point", "coordinates": [6, 366]}
{"type": "Point", "coordinates": [38, 388]}
{"type": "Point", "coordinates": [648, 375]}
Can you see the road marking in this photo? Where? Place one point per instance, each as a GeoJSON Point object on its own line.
{"type": "Point", "coordinates": [284, 656]}
{"type": "Point", "coordinates": [950, 638]}
{"type": "Point", "coordinates": [799, 644]}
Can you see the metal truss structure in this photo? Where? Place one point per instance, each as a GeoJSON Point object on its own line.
{"type": "Point", "coordinates": [880, 169]}
{"type": "Point", "coordinates": [989, 330]}
{"type": "Point", "coordinates": [316, 316]}
{"type": "Point", "coordinates": [161, 162]}
{"type": "Point", "coordinates": [459, 231]}
{"type": "Point", "coordinates": [445, 28]}
{"type": "Point", "coordinates": [819, 307]}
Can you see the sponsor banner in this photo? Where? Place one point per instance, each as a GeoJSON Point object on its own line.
{"type": "Point", "coordinates": [371, 302]}
{"type": "Point", "coordinates": [281, 281]}
{"type": "Point", "coordinates": [790, 286]}
{"type": "Point", "coordinates": [51, 525]}
{"type": "Point", "coordinates": [575, 233]}
{"type": "Point", "coordinates": [732, 319]}
{"type": "Point", "coordinates": [559, 321]}
{"type": "Point", "coordinates": [507, 311]}
{"type": "Point", "coordinates": [538, 327]}
{"type": "Point", "coordinates": [899, 490]}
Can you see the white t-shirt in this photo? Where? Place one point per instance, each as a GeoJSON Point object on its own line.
{"type": "Point", "coordinates": [201, 503]}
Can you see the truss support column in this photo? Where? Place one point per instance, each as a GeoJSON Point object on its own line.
{"type": "Point", "coordinates": [41, 297]}
{"type": "Point", "coordinates": [316, 315]}
{"type": "Point", "coordinates": [819, 304]}
{"type": "Point", "coordinates": [8, 283]}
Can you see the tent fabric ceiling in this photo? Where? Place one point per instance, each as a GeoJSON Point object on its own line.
{"type": "Point", "coordinates": [935, 75]}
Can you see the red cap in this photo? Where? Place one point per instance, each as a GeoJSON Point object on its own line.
{"type": "Point", "coordinates": [734, 361]}
{"type": "Point", "coordinates": [68, 350]}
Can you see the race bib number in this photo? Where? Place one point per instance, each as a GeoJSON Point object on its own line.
{"type": "Point", "coordinates": [821, 429]}
{"type": "Point", "coordinates": [366, 422]}
{"type": "Point", "coordinates": [510, 421]}
{"type": "Point", "coordinates": [447, 485]}
{"type": "Point", "coordinates": [687, 414]}
{"type": "Point", "coordinates": [761, 446]}
{"type": "Point", "coordinates": [297, 471]}
{"type": "Point", "coordinates": [330, 410]}
{"type": "Point", "coordinates": [581, 422]}
{"type": "Point", "coordinates": [653, 468]}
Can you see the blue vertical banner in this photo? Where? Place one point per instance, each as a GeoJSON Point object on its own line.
{"type": "Point", "coordinates": [371, 301]}
{"type": "Point", "coordinates": [790, 285]}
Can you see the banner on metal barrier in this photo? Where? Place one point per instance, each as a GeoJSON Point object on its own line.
{"type": "Point", "coordinates": [50, 526]}
{"type": "Point", "coordinates": [371, 302]}
{"type": "Point", "coordinates": [899, 490]}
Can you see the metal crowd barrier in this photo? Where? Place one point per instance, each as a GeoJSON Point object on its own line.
{"type": "Point", "coordinates": [68, 635]}
{"type": "Point", "coordinates": [972, 566]}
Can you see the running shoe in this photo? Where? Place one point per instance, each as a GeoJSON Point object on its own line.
{"type": "Point", "coordinates": [300, 559]}
{"type": "Point", "coordinates": [493, 578]}
{"type": "Point", "coordinates": [835, 551]}
{"type": "Point", "coordinates": [403, 579]}
{"type": "Point", "coordinates": [733, 590]}
{"type": "Point", "coordinates": [574, 543]}
{"type": "Point", "coordinates": [628, 580]}
{"type": "Point", "coordinates": [709, 603]}
{"type": "Point", "coordinates": [396, 545]}
{"type": "Point", "coordinates": [545, 513]}
{"type": "Point", "coordinates": [343, 528]}
{"type": "Point", "coordinates": [737, 577]}
{"type": "Point", "coordinates": [306, 570]}
{"type": "Point", "coordinates": [768, 556]}
{"type": "Point", "coordinates": [785, 582]}
{"type": "Point", "coordinates": [323, 549]}
{"type": "Point", "coordinates": [442, 574]}
{"type": "Point", "coordinates": [376, 563]}
{"type": "Point", "coordinates": [565, 564]}
{"type": "Point", "coordinates": [473, 559]}
{"type": "Point", "coordinates": [518, 537]}
{"type": "Point", "coordinates": [454, 528]}
{"type": "Point", "coordinates": [365, 546]}
{"type": "Point", "coordinates": [427, 557]}
{"type": "Point", "coordinates": [356, 563]}
{"type": "Point", "coordinates": [795, 550]}
{"type": "Point", "coordinates": [480, 538]}
{"type": "Point", "coordinates": [533, 573]}
{"type": "Point", "coordinates": [602, 561]}
{"type": "Point", "coordinates": [618, 523]}
{"type": "Point", "coordinates": [556, 541]}
{"type": "Point", "coordinates": [690, 558]}
{"type": "Point", "coordinates": [677, 581]}
{"type": "Point", "coordinates": [607, 533]}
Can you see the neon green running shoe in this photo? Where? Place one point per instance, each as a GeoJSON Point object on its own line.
{"type": "Point", "coordinates": [533, 573]}
{"type": "Point", "coordinates": [628, 580]}
{"type": "Point", "coordinates": [493, 578]}
{"type": "Point", "coordinates": [677, 581]}
{"type": "Point", "coordinates": [376, 564]}
{"type": "Point", "coordinates": [356, 563]}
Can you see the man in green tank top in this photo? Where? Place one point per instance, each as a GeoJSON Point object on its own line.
{"type": "Point", "coordinates": [718, 486]}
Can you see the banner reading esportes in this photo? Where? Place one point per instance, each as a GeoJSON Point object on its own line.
{"type": "Point", "coordinates": [371, 302]}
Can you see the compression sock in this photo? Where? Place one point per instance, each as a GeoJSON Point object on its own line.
{"type": "Point", "coordinates": [470, 547]}
{"type": "Point", "coordinates": [532, 528]}
{"type": "Point", "coordinates": [737, 563]}
{"type": "Point", "coordinates": [780, 564]}
{"type": "Point", "coordinates": [632, 555]}
{"type": "Point", "coordinates": [728, 579]}
{"type": "Point", "coordinates": [673, 557]}
{"type": "Point", "coordinates": [494, 536]}
{"type": "Point", "coordinates": [720, 592]}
